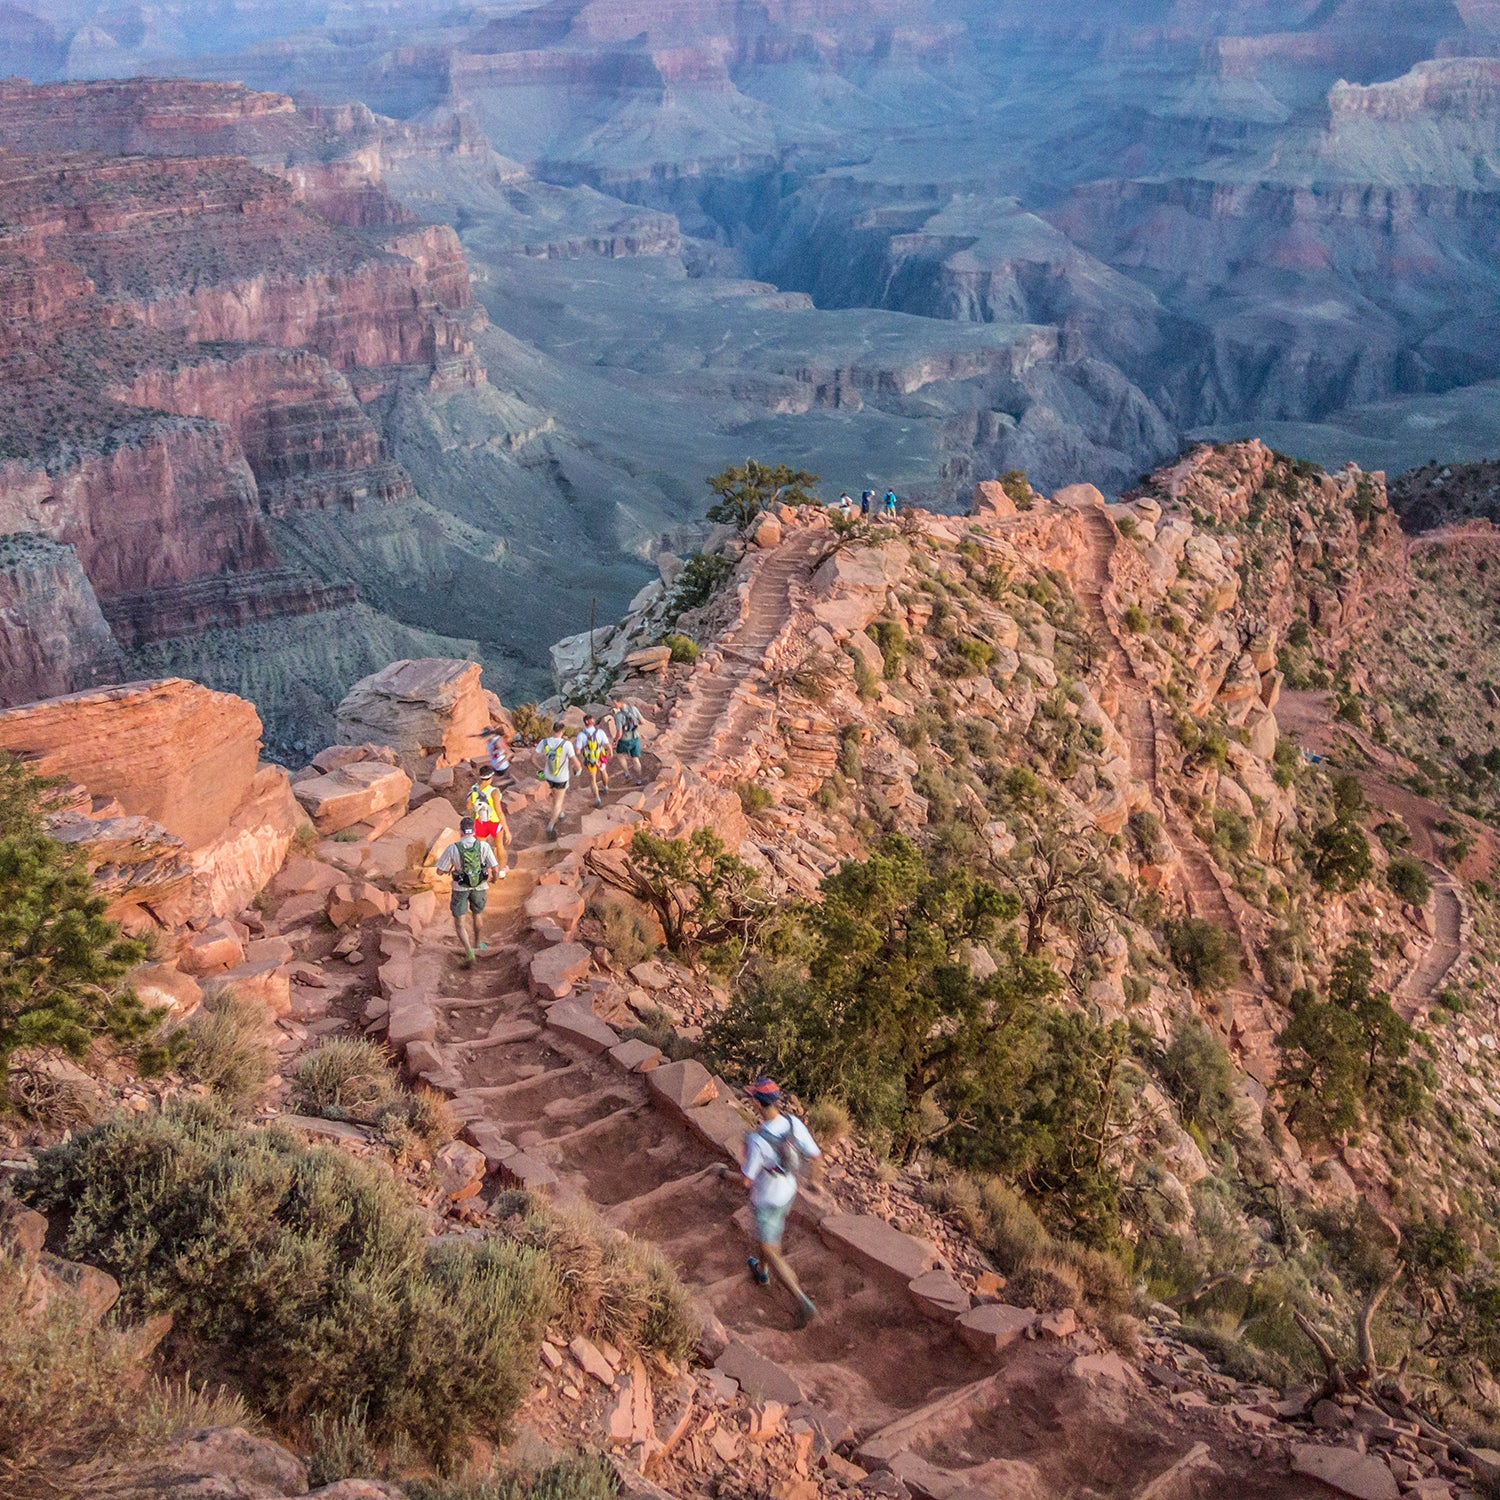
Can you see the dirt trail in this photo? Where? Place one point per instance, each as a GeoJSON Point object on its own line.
{"type": "Point", "coordinates": [691, 739]}
{"type": "Point", "coordinates": [1306, 717]}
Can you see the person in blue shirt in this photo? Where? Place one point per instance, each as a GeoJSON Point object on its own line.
{"type": "Point", "coordinates": [890, 502]}
{"type": "Point", "coordinates": [864, 502]}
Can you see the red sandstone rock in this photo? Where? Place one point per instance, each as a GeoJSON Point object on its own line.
{"type": "Point", "coordinates": [353, 793]}
{"type": "Point", "coordinates": [993, 1327]}
{"type": "Point", "coordinates": [161, 987]}
{"type": "Point", "coordinates": [429, 707]}
{"type": "Point", "coordinates": [211, 951]}
{"type": "Point", "coordinates": [232, 869]}
{"type": "Point", "coordinates": [170, 750]}
{"type": "Point", "coordinates": [556, 970]}
{"type": "Point", "coordinates": [682, 1086]}
{"type": "Point", "coordinates": [990, 499]}
{"type": "Point", "coordinates": [878, 1246]}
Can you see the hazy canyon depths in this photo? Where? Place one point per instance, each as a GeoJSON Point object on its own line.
{"type": "Point", "coordinates": [912, 245]}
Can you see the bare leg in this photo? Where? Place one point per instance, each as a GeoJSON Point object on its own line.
{"type": "Point", "coordinates": [558, 795]}
{"type": "Point", "coordinates": [772, 1258]}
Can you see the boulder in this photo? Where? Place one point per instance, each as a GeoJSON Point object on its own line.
{"type": "Point", "coordinates": [1078, 495]}
{"type": "Point", "coordinates": [144, 873]}
{"type": "Point", "coordinates": [636, 1056]}
{"type": "Point", "coordinates": [555, 971]}
{"type": "Point", "coordinates": [162, 988]}
{"type": "Point", "coordinates": [431, 707]}
{"type": "Point", "coordinates": [1346, 1470]}
{"type": "Point", "coordinates": [353, 794]}
{"type": "Point", "coordinates": [335, 757]}
{"type": "Point", "coordinates": [267, 979]}
{"type": "Point", "coordinates": [581, 1026]}
{"type": "Point", "coordinates": [938, 1296]}
{"type": "Point", "coordinates": [98, 1290]}
{"type": "Point", "coordinates": [1061, 1324]}
{"type": "Point", "coordinates": [460, 1168]}
{"type": "Point", "coordinates": [766, 531]}
{"type": "Point", "coordinates": [169, 750]}
{"type": "Point", "coordinates": [759, 1377]}
{"type": "Point", "coordinates": [415, 841]}
{"type": "Point", "coordinates": [991, 499]}
{"type": "Point", "coordinates": [555, 911]}
{"type": "Point", "coordinates": [231, 870]}
{"type": "Point", "coordinates": [22, 1230]}
{"type": "Point", "coordinates": [681, 1086]}
{"type": "Point", "coordinates": [993, 1327]}
{"type": "Point", "coordinates": [229, 1462]}
{"type": "Point", "coordinates": [878, 1246]}
{"type": "Point", "coordinates": [358, 901]}
{"type": "Point", "coordinates": [216, 948]}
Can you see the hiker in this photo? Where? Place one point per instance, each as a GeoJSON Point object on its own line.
{"type": "Point", "coordinates": [864, 502]}
{"type": "Point", "coordinates": [472, 864]}
{"type": "Point", "coordinates": [777, 1151]}
{"type": "Point", "coordinates": [497, 748]}
{"type": "Point", "coordinates": [890, 503]}
{"type": "Point", "coordinates": [488, 812]}
{"type": "Point", "coordinates": [846, 505]}
{"type": "Point", "coordinates": [626, 721]}
{"type": "Point", "coordinates": [558, 760]}
{"type": "Point", "coordinates": [593, 745]}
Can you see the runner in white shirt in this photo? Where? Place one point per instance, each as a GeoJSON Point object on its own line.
{"type": "Point", "coordinates": [559, 760]}
{"type": "Point", "coordinates": [774, 1152]}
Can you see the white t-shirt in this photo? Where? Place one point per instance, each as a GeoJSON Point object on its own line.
{"type": "Point", "coordinates": [769, 1185]}
{"type": "Point", "coordinates": [595, 734]}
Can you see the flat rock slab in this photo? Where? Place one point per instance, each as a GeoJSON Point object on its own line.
{"type": "Point", "coordinates": [555, 971]}
{"type": "Point", "coordinates": [758, 1376]}
{"type": "Point", "coordinates": [1346, 1470]}
{"type": "Point", "coordinates": [410, 1019]}
{"type": "Point", "coordinates": [352, 794]}
{"type": "Point", "coordinates": [523, 1170]}
{"type": "Point", "coordinates": [636, 1056]}
{"type": "Point", "coordinates": [579, 1024]}
{"type": "Point", "coordinates": [994, 1327]}
{"type": "Point", "coordinates": [682, 1086]}
{"type": "Point", "coordinates": [879, 1247]}
{"type": "Point", "coordinates": [938, 1296]}
{"type": "Point", "coordinates": [717, 1124]}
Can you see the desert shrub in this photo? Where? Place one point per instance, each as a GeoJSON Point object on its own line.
{"type": "Point", "coordinates": [1198, 1074]}
{"type": "Point", "coordinates": [1045, 1282]}
{"type": "Point", "coordinates": [754, 798]}
{"type": "Point", "coordinates": [345, 1080]}
{"type": "Point", "coordinates": [610, 1285]}
{"type": "Point", "coordinates": [829, 1122]}
{"type": "Point", "coordinates": [1134, 619]}
{"type": "Point", "coordinates": [301, 1275]}
{"type": "Point", "coordinates": [891, 638]}
{"type": "Point", "coordinates": [866, 681]}
{"type": "Point", "coordinates": [629, 933]}
{"type": "Point", "coordinates": [585, 1477]}
{"type": "Point", "coordinates": [1408, 880]}
{"type": "Point", "coordinates": [702, 576]}
{"type": "Point", "coordinates": [72, 1400]}
{"type": "Point", "coordinates": [62, 962]}
{"type": "Point", "coordinates": [1339, 855]}
{"type": "Point", "coordinates": [683, 647]}
{"type": "Point", "coordinates": [1151, 835]}
{"type": "Point", "coordinates": [965, 656]}
{"type": "Point", "coordinates": [529, 724]}
{"type": "Point", "coordinates": [1206, 956]}
{"type": "Point", "coordinates": [229, 1049]}
{"type": "Point", "coordinates": [341, 1448]}
{"type": "Point", "coordinates": [1015, 484]}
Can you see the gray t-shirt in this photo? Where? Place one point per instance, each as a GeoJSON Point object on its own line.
{"type": "Point", "coordinates": [450, 861]}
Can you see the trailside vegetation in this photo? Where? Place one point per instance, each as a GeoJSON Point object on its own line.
{"type": "Point", "coordinates": [745, 490]}
{"type": "Point", "coordinates": [62, 961]}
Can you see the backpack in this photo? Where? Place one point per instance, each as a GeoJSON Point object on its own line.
{"type": "Point", "coordinates": [471, 863]}
{"type": "Point", "coordinates": [555, 758]}
{"type": "Point", "coordinates": [788, 1159]}
{"type": "Point", "coordinates": [627, 719]}
{"type": "Point", "coordinates": [595, 748]}
{"type": "Point", "coordinates": [488, 800]}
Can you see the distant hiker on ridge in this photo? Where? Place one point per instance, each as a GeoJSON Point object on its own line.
{"type": "Point", "coordinates": [593, 745]}
{"type": "Point", "coordinates": [488, 812]}
{"type": "Point", "coordinates": [558, 760]}
{"type": "Point", "coordinates": [472, 864]}
{"type": "Point", "coordinates": [864, 502]}
{"type": "Point", "coordinates": [777, 1152]}
{"type": "Point", "coordinates": [626, 723]}
{"type": "Point", "coordinates": [846, 505]}
{"type": "Point", "coordinates": [890, 503]}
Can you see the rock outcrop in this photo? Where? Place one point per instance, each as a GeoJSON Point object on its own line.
{"type": "Point", "coordinates": [431, 712]}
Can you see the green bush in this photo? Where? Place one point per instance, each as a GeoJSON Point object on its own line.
{"type": "Point", "coordinates": [744, 490]}
{"type": "Point", "coordinates": [354, 1080]}
{"type": "Point", "coordinates": [702, 576]}
{"type": "Point", "coordinates": [754, 798]}
{"type": "Point", "coordinates": [1197, 1072]}
{"type": "Point", "coordinates": [965, 656]}
{"type": "Point", "coordinates": [1339, 855]}
{"type": "Point", "coordinates": [683, 647]}
{"type": "Point", "coordinates": [891, 638]}
{"type": "Point", "coordinates": [1134, 619]}
{"type": "Point", "coordinates": [62, 962]}
{"type": "Point", "coordinates": [1207, 956]}
{"type": "Point", "coordinates": [866, 683]}
{"type": "Point", "coordinates": [301, 1275]}
{"type": "Point", "coordinates": [1408, 880]}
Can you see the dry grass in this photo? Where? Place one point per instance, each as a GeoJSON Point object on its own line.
{"type": "Point", "coordinates": [230, 1049]}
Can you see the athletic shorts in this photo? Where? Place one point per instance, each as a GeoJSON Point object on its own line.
{"type": "Point", "coordinates": [484, 830]}
{"type": "Point", "coordinates": [557, 786]}
{"type": "Point", "coordinates": [770, 1222]}
{"type": "Point", "coordinates": [468, 899]}
{"type": "Point", "coordinates": [631, 745]}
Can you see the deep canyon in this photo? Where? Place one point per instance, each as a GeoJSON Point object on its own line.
{"type": "Point", "coordinates": [419, 330]}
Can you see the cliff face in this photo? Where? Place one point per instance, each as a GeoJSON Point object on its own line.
{"type": "Point", "coordinates": [187, 341]}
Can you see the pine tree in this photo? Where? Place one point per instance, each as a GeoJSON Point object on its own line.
{"type": "Point", "coordinates": [744, 490]}
{"type": "Point", "coordinates": [61, 959]}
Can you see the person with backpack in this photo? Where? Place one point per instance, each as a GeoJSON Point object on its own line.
{"type": "Point", "coordinates": [497, 748]}
{"type": "Point", "coordinates": [472, 864]}
{"type": "Point", "coordinates": [864, 503]}
{"type": "Point", "coordinates": [559, 760]}
{"type": "Point", "coordinates": [593, 745]}
{"type": "Point", "coordinates": [626, 721]}
{"type": "Point", "coordinates": [846, 505]}
{"type": "Point", "coordinates": [890, 504]}
{"type": "Point", "coordinates": [488, 812]}
{"type": "Point", "coordinates": [777, 1153]}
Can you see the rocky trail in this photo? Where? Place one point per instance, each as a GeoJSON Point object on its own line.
{"type": "Point", "coordinates": [691, 738]}
{"type": "Point", "coordinates": [560, 1104]}
{"type": "Point", "coordinates": [1308, 719]}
